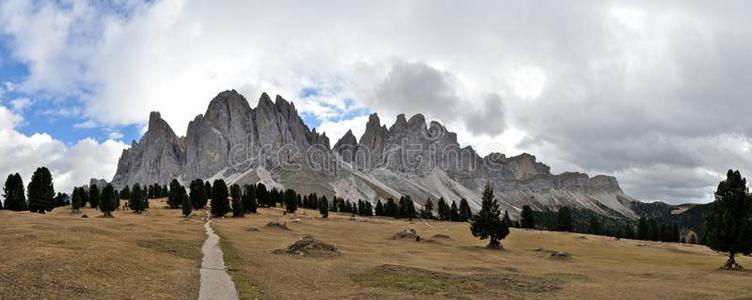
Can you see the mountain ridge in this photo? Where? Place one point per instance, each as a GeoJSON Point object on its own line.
{"type": "Point", "coordinates": [270, 143]}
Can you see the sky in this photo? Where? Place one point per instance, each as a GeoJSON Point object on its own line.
{"type": "Point", "coordinates": [656, 93]}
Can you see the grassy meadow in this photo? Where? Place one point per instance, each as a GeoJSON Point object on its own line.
{"type": "Point", "coordinates": [157, 256]}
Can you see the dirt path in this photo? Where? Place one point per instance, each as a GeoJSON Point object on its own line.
{"type": "Point", "coordinates": [215, 282]}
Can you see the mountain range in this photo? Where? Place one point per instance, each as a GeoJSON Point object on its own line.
{"type": "Point", "coordinates": [271, 144]}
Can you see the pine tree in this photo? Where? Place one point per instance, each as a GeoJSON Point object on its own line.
{"type": "Point", "coordinates": [76, 200]}
{"type": "Point", "coordinates": [407, 208]}
{"type": "Point", "coordinates": [208, 191]}
{"type": "Point", "coordinates": [324, 207]}
{"type": "Point", "coordinates": [174, 199]}
{"type": "Point", "coordinates": [94, 196]}
{"type": "Point", "coordinates": [198, 195]}
{"type": "Point", "coordinates": [465, 212]}
{"type": "Point", "coordinates": [238, 211]}
{"type": "Point", "coordinates": [125, 194]}
{"type": "Point", "coordinates": [487, 224]}
{"type": "Point", "coordinates": [41, 191]}
{"type": "Point", "coordinates": [14, 194]}
{"type": "Point", "coordinates": [506, 219]}
{"type": "Point", "coordinates": [728, 225]}
{"type": "Point", "coordinates": [107, 203]}
{"type": "Point", "coordinates": [262, 196]}
{"type": "Point", "coordinates": [443, 210]}
{"type": "Point", "coordinates": [379, 208]}
{"type": "Point", "coordinates": [427, 211]}
{"type": "Point", "coordinates": [390, 209]}
{"type": "Point", "coordinates": [137, 202]}
{"type": "Point", "coordinates": [220, 204]}
{"type": "Point", "coordinates": [565, 219]}
{"type": "Point", "coordinates": [675, 232]}
{"type": "Point", "coordinates": [249, 199]}
{"type": "Point", "coordinates": [187, 204]}
{"type": "Point", "coordinates": [454, 214]}
{"type": "Point", "coordinates": [291, 201]}
{"type": "Point", "coordinates": [528, 219]}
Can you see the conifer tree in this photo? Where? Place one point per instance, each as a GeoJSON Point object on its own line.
{"type": "Point", "coordinates": [465, 212]}
{"type": "Point", "coordinates": [238, 211]}
{"type": "Point", "coordinates": [249, 199]}
{"type": "Point", "coordinates": [488, 224]}
{"type": "Point", "coordinates": [454, 214]}
{"type": "Point", "coordinates": [291, 201]}
{"type": "Point", "coordinates": [76, 200]}
{"type": "Point", "coordinates": [93, 196]}
{"type": "Point", "coordinates": [528, 219]}
{"type": "Point", "coordinates": [427, 211]}
{"type": "Point", "coordinates": [198, 195]}
{"type": "Point", "coordinates": [728, 225]}
{"type": "Point", "coordinates": [262, 195]}
{"type": "Point", "coordinates": [379, 208]}
{"type": "Point", "coordinates": [106, 200]}
{"type": "Point", "coordinates": [187, 204]}
{"type": "Point", "coordinates": [137, 202]}
{"type": "Point", "coordinates": [41, 191]}
{"type": "Point", "coordinates": [565, 219]}
{"type": "Point", "coordinates": [443, 210]}
{"type": "Point", "coordinates": [390, 209]}
{"type": "Point", "coordinates": [506, 219]}
{"type": "Point", "coordinates": [208, 191]}
{"type": "Point", "coordinates": [220, 205]}
{"type": "Point", "coordinates": [174, 197]}
{"type": "Point", "coordinates": [14, 194]}
{"type": "Point", "coordinates": [324, 207]}
{"type": "Point", "coordinates": [125, 193]}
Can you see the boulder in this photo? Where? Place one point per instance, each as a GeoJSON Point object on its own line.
{"type": "Point", "coordinates": [309, 246]}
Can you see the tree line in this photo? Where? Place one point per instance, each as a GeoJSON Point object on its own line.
{"type": "Point", "coordinates": [38, 197]}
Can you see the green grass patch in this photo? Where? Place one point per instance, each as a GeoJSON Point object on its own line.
{"type": "Point", "coordinates": [180, 248]}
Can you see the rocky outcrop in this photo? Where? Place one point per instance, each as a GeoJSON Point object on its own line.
{"type": "Point", "coordinates": [229, 139]}
{"type": "Point", "coordinates": [157, 158]}
{"type": "Point", "coordinates": [270, 143]}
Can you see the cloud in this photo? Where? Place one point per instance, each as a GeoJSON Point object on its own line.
{"type": "Point", "coordinates": [19, 104]}
{"type": "Point", "coordinates": [634, 89]}
{"type": "Point", "coordinates": [70, 166]}
{"type": "Point", "coordinates": [336, 129]}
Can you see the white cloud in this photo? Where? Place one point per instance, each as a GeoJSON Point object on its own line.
{"type": "Point", "coordinates": [86, 124]}
{"type": "Point", "coordinates": [336, 129]}
{"type": "Point", "coordinates": [584, 86]}
{"type": "Point", "coordinates": [19, 104]}
{"type": "Point", "coordinates": [70, 166]}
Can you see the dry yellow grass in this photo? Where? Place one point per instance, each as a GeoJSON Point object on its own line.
{"type": "Point", "coordinates": [63, 256]}
{"type": "Point", "coordinates": [372, 265]}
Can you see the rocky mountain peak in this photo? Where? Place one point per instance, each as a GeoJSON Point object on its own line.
{"type": "Point", "coordinates": [264, 102]}
{"type": "Point", "coordinates": [399, 125]}
{"type": "Point", "coordinates": [158, 129]}
{"type": "Point", "coordinates": [225, 142]}
{"type": "Point", "coordinates": [347, 139]}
